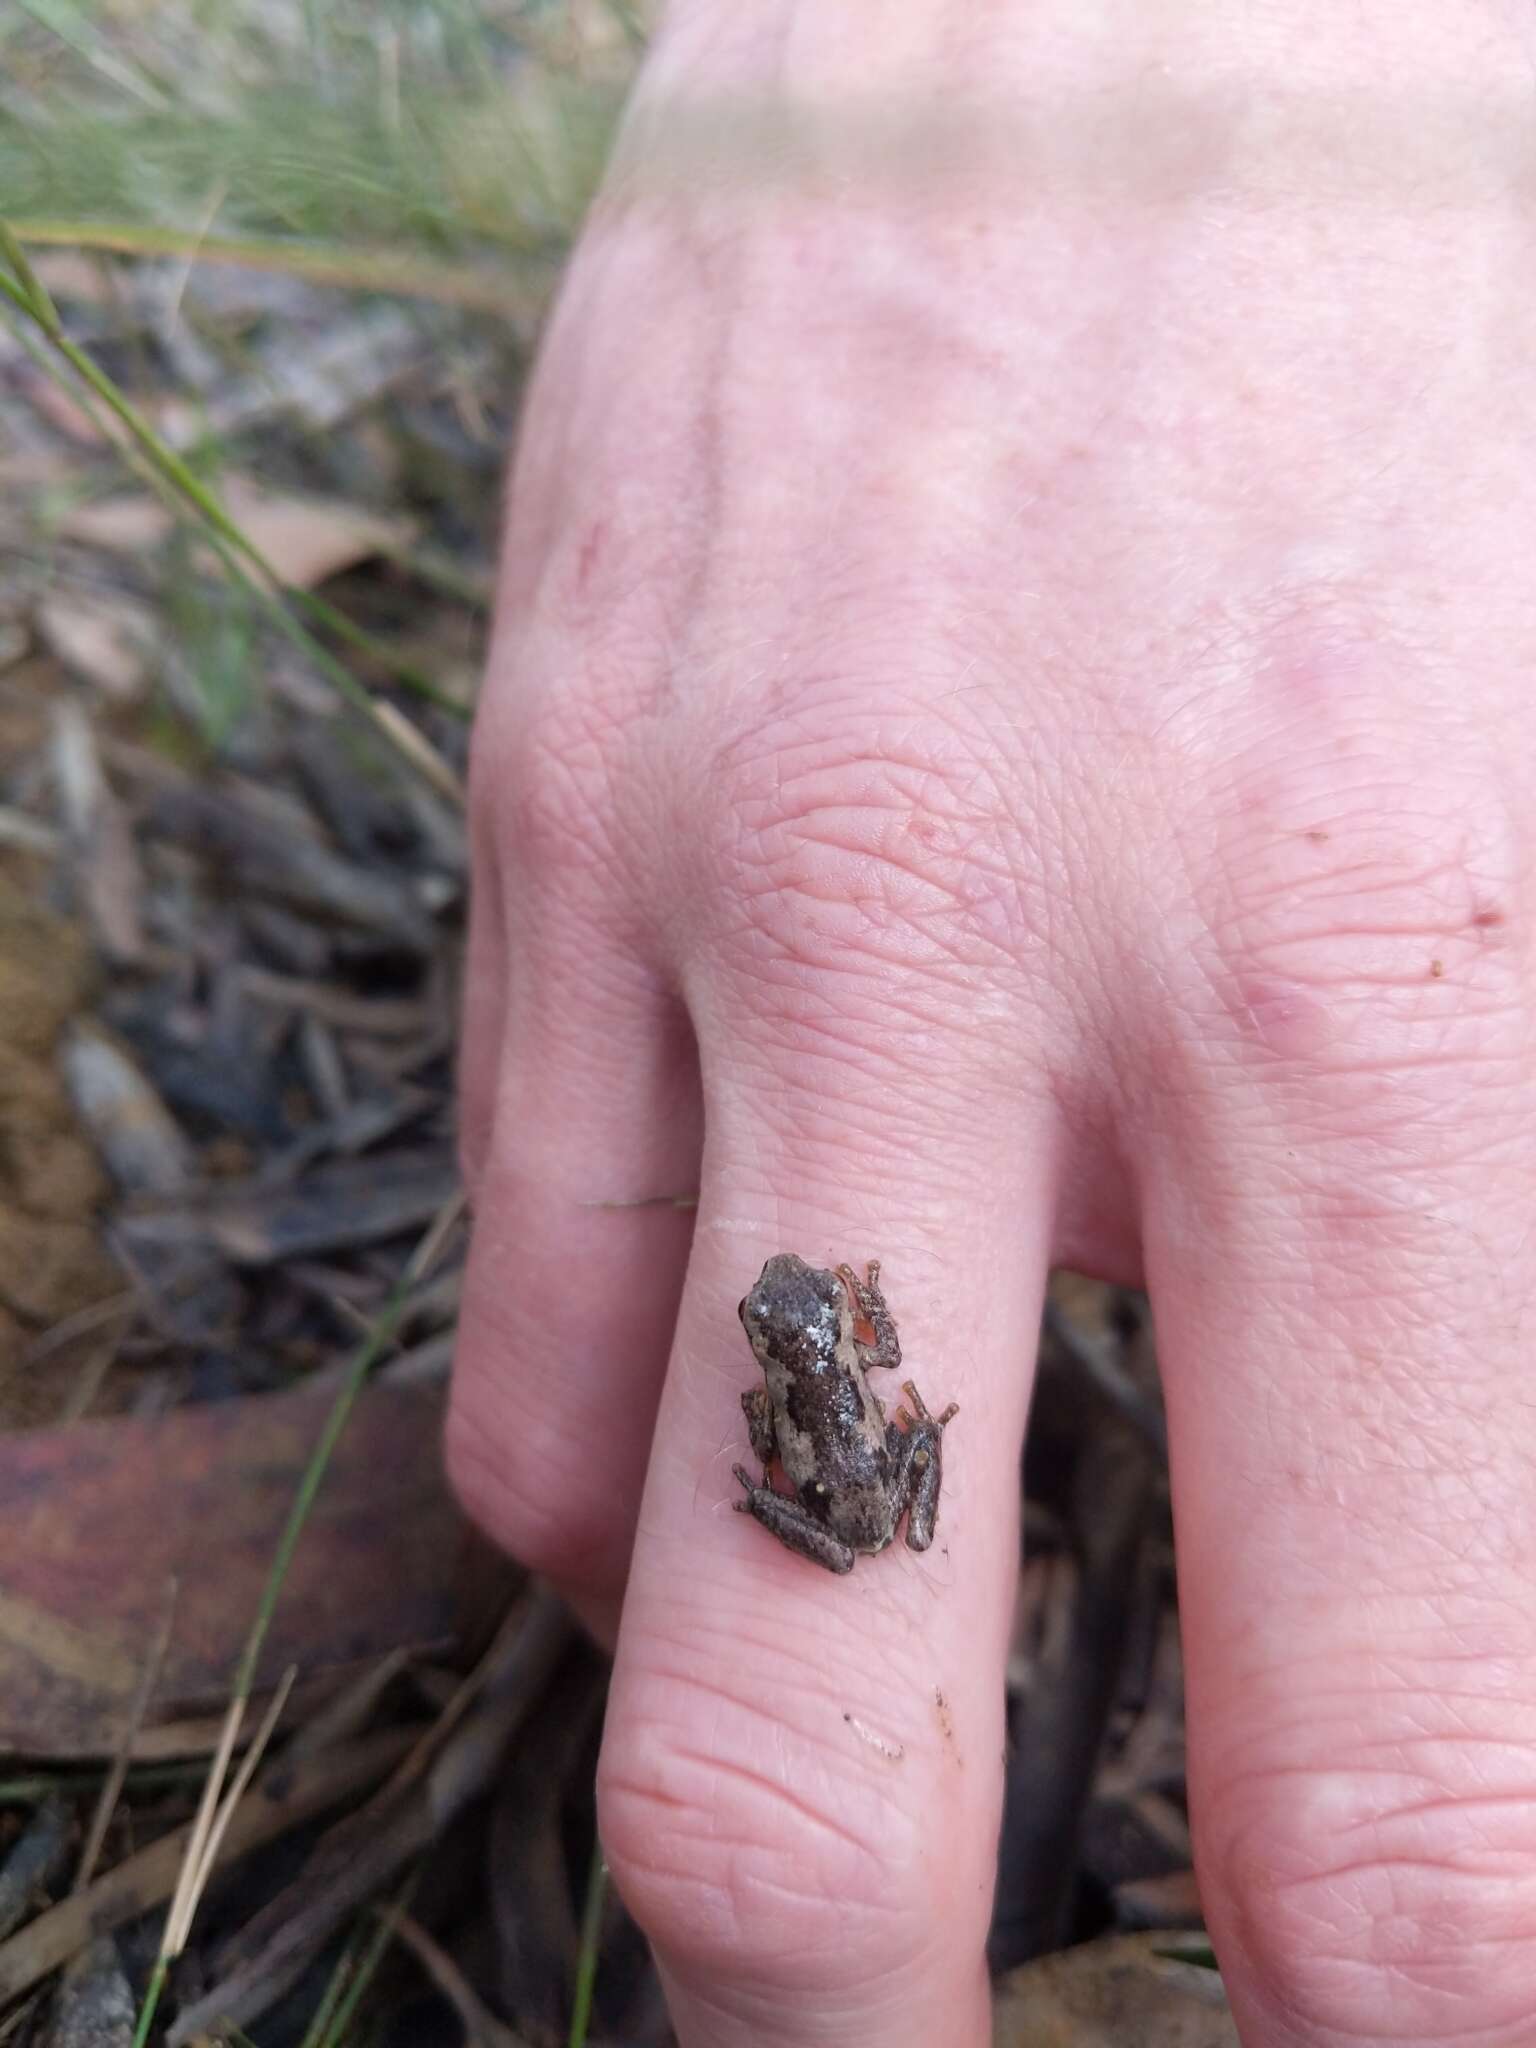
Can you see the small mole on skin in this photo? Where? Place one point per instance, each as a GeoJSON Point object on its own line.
{"type": "Point", "coordinates": [1318, 836]}
{"type": "Point", "coordinates": [1437, 968]}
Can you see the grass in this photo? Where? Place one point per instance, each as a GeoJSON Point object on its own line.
{"type": "Point", "coordinates": [356, 1967]}
{"type": "Point", "coordinates": [296, 613]}
{"type": "Point", "coordinates": [202, 1850]}
{"type": "Point", "coordinates": [432, 133]}
{"type": "Point", "coordinates": [438, 149]}
{"type": "Point", "coordinates": [586, 1960]}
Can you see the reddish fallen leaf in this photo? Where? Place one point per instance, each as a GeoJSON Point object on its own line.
{"type": "Point", "coordinates": [99, 1515]}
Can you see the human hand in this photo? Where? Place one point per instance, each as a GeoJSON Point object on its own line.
{"type": "Point", "coordinates": [1010, 740]}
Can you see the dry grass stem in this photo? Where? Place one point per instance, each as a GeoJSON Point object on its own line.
{"type": "Point", "coordinates": [112, 1787]}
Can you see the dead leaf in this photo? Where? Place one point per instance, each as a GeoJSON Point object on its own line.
{"type": "Point", "coordinates": [307, 540]}
{"type": "Point", "coordinates": [99, 1515]}
{"type": "Point", "coordinates": [144, 1147]}
{"type": "Point", "coordinates": [106, 860]}
{"type": "Point", "coordinates": [127, 524]}
{"type": "Point", "coordinates": [1123, 1992]}
{"type": "Point", "coordinates": [104, 643]}
{"type": "Point", "coordinates": [304, 539]}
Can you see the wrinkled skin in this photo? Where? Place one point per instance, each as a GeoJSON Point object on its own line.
{"type": "Point", "coordinates": [1010, 738]}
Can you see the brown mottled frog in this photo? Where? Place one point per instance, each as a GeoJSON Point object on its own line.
{"type": "Point", "coordinates": [854, 1473]}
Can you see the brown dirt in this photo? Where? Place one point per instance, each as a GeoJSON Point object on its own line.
{"type": "Point", "coordinates": [52, 1260]}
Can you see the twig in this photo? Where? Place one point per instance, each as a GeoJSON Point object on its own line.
{"type": "Point", "coordinates": [80, 1324]}
{"type": "Point", "coordinates": [367, 1968]}
{"type": "Point", "coordinates": [480, 2024]}
{"type": "Point", "coordinates": [111, 1790]}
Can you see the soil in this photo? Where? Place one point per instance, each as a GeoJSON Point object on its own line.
{"type": "Point", "coordinates": [52, 1260]}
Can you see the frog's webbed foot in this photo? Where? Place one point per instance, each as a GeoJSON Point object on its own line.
{"type": "Point", "coordinates": [885, 1352]}
{"type": "Point", "coordinates": [759, 1413]}
{"type": "Point", "coordinates": [917, 1442]}
{"type": "Point", "coordinates": [795, 1529]}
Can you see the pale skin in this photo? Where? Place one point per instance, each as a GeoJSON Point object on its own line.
{"type": "Point", "coordinates": [1011, 738]}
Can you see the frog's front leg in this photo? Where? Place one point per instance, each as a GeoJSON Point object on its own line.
{"type": "Point", "coordinates": [916, 1450]}
{"type": "Point", "coordinates": [885, 1352]}
{"type": "Point", "coordinates": [795, 1529]}
{"type": "Point", "coordinates": [758, 1410]}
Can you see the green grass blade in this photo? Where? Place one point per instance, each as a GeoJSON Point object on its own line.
{"type": "Point", "coordinates": [35, 300]}
{"type": "Point", "coordinates": [367, 1968]}
{"type": "Point", "coordinates": [586, 1960]}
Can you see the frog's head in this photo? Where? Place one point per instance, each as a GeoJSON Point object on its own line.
{"type": "Point", "coordinates": [794, 1313]}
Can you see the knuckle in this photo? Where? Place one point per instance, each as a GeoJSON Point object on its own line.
{"type": "Point", "coordinates": [1362, 914]}
{"type": "Point", "coordinates": [843, 838]}
{"type": "Point", "coordinates": [546, 776]}
{"type": "Point", "coordinates": [1378, 1908]}
{"type": "Point", "coordinates": [544, 796]}
{"type": "Point", "coordinates": [740, 1868]}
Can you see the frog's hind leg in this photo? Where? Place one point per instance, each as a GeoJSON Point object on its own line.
{"type": "Point", "coordinates": [885, 1352]}
{"type": "Point", "coordinates": [916, 1442]}
{"type": "Point", "coordinates": [795, 1529]}
{"type": "Point", "coordinates": [755, 1406]}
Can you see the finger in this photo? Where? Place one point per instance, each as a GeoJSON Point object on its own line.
{"type": "Point", "coordinates": [800, 1785]}
{"type": "Point", "coordinates": [590, 1106]}
{"type": "Point", "coordinates": [1338, 1242]}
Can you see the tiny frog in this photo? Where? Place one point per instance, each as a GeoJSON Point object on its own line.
{"type": "Point", "coordinates": [854, 1473]}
